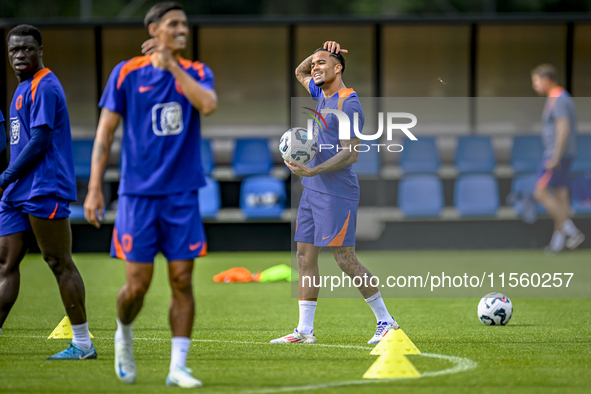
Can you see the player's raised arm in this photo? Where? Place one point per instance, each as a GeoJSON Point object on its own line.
{"type": "Point", "coordinates": [100, 155]}
{"type": "Point", "coordinates": [303, 72]}
{"type": "Point", "coordinates": [205, 100]}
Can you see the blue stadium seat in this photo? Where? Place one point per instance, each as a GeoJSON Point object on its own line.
{"type": "Point", "coordinates": [210, 198]}
{"type": "Point", "coordinates": [368, 163]}
{"type": "Point", "coordinates": [262, 197]}
{"type": "Point", "coordinates": [420, 196]}
{"type": "Point", "coordinates": [582, 161]}
{"type": "Point", "coordinates": [581, 194]}
{"type": "Point", "coordinates": [76, 212]}
{"type": "Point", "coordinates": [82, 158]}
{"type": "Point", "coordinates": [526, 153]}
{"type": "Point", "coordinates": [420, 156]}
{"type": "Point", "coordinates": [207, 157]}
{"type": "Point", "coordinates": [524, 185]}
{"type": "Point", "coordinates": [476, 195]}
{"type": "Point", "coordinates": [475, 154]}
{"type": "Point", "coordinates": [252, 157]}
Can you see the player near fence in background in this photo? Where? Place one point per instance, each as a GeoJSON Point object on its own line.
{"type": "Point", "coordinates": [159, 97]}
{"type": "Point", "coordinates": [559, 129]}
{"type": "Point", "coordinates": [38, 186]}
{"type": "Point", "coordinates": [327, 214]}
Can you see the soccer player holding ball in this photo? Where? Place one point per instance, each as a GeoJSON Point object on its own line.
{"type": "Point", "coordinates": [327, 214]}
{"type": "Point", "coordinates": [38, 186]}
{"type": "Point", "coordinates": [158, 97]}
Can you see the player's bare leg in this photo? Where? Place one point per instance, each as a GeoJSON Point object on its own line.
{"type": "Point", "coordinates": [130, 300]}
{"type": "Point", "coordinates": [307, 257]}
{"type": "Point", "coordinates": [553, 206]}
{"type": "Point", "coordinates": [54, 238]}
{"type": "Point", "coordinates": [13, 248]}
{"type": "Point", "coordinates": [182, 306]}
{"type": "Point", "coordinates": [181, 316]}
{"type": "Point", "coordinates": [347, 261]}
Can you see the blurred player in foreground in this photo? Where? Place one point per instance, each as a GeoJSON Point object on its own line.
{"type": "Point", "coordinates": [559, 137]}
{"type": "Point", "coordinates": [327, 214]}
{"type": "Point", "coordinates": [159, 97]}
{"type": "Point", "coordinates": [38, 186]}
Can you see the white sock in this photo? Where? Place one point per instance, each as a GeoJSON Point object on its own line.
{"type": "Point", "coordinates": [180, 348]}
{"type": "Point", "coordinates": [557, 241]}
{"type": "Point", "coordinates": [81, 336]}
{"type": "Point", "coordinates": [307, 311]}
{"type": "Point", "coordinates": [124, 333]}
{"type": "Point", "coordinates": [569, 228]}
{"type": "Point", "coordinates": [376, 302]}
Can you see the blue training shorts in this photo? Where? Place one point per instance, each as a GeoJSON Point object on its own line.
{"type": "Point", "coordinates": [559, 177]}
{"type": "Point", "coordinates": [170, 224]}
{"type": "Point", "coordinates": [14, 214]}
{"type": "Point", "coordinates": [326, 220]}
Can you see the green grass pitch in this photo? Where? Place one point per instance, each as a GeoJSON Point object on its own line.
{"type": "Point", "coordinates": [544, 349]}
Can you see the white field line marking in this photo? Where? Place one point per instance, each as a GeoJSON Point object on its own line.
{"type": "Point", "coordinates": [461, 365]}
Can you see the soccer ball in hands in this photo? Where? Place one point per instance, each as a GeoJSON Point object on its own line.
{"type": "Point", "coordinates": [298, 145]}
{"type": "Point", "coordinates": [495, 309]}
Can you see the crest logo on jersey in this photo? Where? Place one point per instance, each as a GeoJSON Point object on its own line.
{"type": "Point", "coordinates": [19, 102]}
{"type": "Point", "coordinates": [15, 131]}
{"type": "Point", "coordinates": [167, 119]}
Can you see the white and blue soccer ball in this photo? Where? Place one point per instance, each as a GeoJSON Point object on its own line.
{"type": "Point", "coordinates": [495, 309]}
{"type": "Point", "coordinates": [299, 145]}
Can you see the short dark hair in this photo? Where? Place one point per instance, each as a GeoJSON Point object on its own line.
{"type": "Point", "coordinates": [546, 71]}
{"type": "Point", "coordinates": [25, 30]}
{"type": "Point", "coordinates": [339, 56]}
{"type": "Point", "coordinates": [158, 10]}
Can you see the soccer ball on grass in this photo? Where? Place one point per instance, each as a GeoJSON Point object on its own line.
{"type": "Point", "coordinates": [495, 309]}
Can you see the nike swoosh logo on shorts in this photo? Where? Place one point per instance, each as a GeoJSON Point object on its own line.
{"type": "Point", "coordinates": [323, 238]}
{"type": "Point", "coordinates": [144, 89]}
{"type": "Point", "coordinates": [194, 247]}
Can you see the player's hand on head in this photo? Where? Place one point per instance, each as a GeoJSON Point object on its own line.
{"type": "Point", "coordinates": [149, 46]}
{"type": "Point", "coordinates": [94, 205]}
{"type": "Point", "coordinates": [334, 47]}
